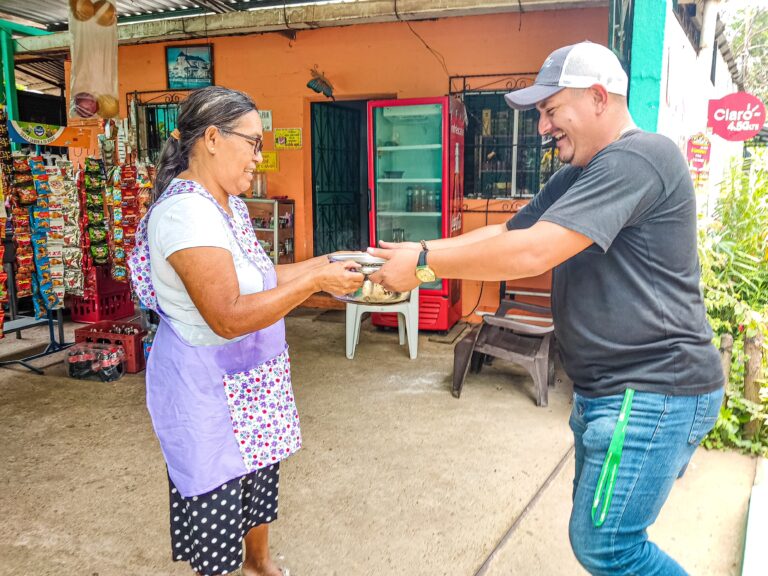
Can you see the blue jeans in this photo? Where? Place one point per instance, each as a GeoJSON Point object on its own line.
{"type": "Point", "coordinates": [662, 434]}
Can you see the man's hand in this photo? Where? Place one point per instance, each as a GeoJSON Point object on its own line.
{"type": "Point", "coordinates": [399, 273]}
{"type": "Point", "coordinates": [400, 245]}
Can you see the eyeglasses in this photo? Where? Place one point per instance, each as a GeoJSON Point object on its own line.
{"type": "Point", "coordinates": [258, 143]}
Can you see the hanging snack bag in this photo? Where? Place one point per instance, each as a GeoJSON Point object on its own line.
{"type": "Point", "coordinates": [26, 195]}
{"type": "Point", "coordinates": [118, 254]}
{"type": "Point", "coordinates": [3, 287]}
{"type": "Point", "coordinates": [92, 165]}
{"type": "Point", "coordinates": [99, 253]}
{"type": "Point", "coordinates": [119, 273]}
{"type": "Point", "coordinates": [97, 235]}
{"type": "Point", "coordinates": [94, 199]}
{"type": "Point", "coordinates": [20, 165]}
{"type": "Point", "coordinates": [37, 165]}
{"type": "Point", "coordinates": [72, 257]}
{"type": "Point", "coordinates": [93, 181]}
{"type": "Point", "coordinates": [95, 216]}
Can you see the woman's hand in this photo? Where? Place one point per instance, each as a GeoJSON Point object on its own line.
{"type": "Point", "coordinates": [338, 278]}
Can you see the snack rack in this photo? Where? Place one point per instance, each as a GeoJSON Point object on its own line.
{"type": "Point", "coordinates": [272, 220]}
{"type": "Point", "coordinates": [32, 265]}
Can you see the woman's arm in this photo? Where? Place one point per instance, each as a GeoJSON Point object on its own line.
{"type": "Point", "coordinates": [289, 272]}
{"type": "Point", "coordinates": [211, 281]}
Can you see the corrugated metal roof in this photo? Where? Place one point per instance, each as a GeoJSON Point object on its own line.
{"type": "Point", "coordinates": [54, 14]}
{"type": "Point", "coordinates": [48, 71]}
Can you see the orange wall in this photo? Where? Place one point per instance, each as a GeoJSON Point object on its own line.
{"type": "Point", "coordinates": [364, 62]}
{"type": "Point", "coordinates": [484, 296]}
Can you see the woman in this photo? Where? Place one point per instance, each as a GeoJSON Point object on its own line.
{"type": "Point", "coordinates": [218, 380]}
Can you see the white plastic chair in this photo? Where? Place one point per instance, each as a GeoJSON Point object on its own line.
{"type": "Point", "coordinates": [407, 322]}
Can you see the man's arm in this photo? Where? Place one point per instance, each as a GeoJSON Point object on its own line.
{"type": "Point", "coordinates": [506, 256]}
{"type": "Point", "coordinates": [514, 254]}
{"type": "Point", "coordinates": [444, 243]}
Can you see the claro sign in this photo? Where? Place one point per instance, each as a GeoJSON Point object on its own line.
{"type": "Point", "coordinates": [736, 117]}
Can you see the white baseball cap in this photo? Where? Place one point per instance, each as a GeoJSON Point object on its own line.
{"type": "Point", "coordinates": [577, 66]}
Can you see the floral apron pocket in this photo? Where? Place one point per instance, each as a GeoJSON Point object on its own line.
{"type": "Point", "coordinates": [263, 412]}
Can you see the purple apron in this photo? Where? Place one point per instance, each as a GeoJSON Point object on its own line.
{"type": "Point", "coordinates": [219, 411]}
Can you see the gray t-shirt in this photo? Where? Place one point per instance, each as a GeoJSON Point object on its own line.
{"type": "Point", "coordinates": [628, 309]}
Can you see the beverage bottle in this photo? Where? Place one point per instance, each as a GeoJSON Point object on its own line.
{"type": "Point", "coordinates": [147, 343]}
{"type": "Point", "coordinates": [409, 199]}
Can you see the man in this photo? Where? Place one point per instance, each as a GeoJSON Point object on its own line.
{"type": "Point", "coordinates": [618, 227]}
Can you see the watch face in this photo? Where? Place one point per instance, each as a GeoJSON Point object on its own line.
{"type": "Point", "coordinates": [425, 274]}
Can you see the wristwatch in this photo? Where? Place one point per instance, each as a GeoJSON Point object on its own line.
{"type": "Point", "coordinates": [423, 272]}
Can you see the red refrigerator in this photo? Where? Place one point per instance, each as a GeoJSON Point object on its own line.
{"type": "Point", "coordinates": [416, 183]}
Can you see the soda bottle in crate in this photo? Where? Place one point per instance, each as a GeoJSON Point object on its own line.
{"type": "Point", "coordinates": [92, 361]}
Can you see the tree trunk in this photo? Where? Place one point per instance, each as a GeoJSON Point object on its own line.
{"type": "Point", "coordinates": [726, 353]}
{"type": "Point", "coordinates": [753, 349]}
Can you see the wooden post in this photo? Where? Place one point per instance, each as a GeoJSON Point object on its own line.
{"type": "Point", "coordinates": [753, 349]}
{"type": "Point", "coordinates": [726, 353]}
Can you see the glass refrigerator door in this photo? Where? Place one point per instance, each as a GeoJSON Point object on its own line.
{"type": "Point", "coordinates": [408, 157]}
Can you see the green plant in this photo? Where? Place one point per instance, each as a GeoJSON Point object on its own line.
{"type": "Point", "coordinates": [733, 249]}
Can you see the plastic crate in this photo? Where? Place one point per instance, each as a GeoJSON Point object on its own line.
{"type": "Point", "coordinates": [110, 306]}
{"type": "Point", "coordinates": [101, 333]}
{"type": "Point", "coordinates": [105, 284]}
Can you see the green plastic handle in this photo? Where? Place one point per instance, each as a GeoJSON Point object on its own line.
{"type": "Point", "coordinates": [610, 470]}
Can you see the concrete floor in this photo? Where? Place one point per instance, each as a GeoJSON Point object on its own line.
{"type": "Point", "coordinates": [395, 477]}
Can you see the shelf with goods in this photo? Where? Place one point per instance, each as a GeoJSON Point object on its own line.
{"type": "Point", "coordinates": [39, 199]}
{"type": "Point", "coordinates": [273, 223]}
{"type": "Point", "coordinates": [408, 187]}
{"type": "Point", "coordinates": [409, 147]}
{"type": "Point", "coordinates": [494, 162]}
{"type": "Point", "coordinates": [415, 182]}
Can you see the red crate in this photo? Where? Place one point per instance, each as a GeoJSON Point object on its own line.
{"type": "Point", "coordinates": [105, 284]}
{"type": "Point", "coordinates": [110, 306]}
{"type": "Point", "coordinates": [131, 343]}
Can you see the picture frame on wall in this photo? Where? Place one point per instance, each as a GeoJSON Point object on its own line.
{"type": "Point", "coordinates": [189, 67]}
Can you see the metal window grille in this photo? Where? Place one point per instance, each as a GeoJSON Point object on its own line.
{"type": "Point", "coordinates": [503, 152]}
{"type": "Point", "coordinates": [156, 118]}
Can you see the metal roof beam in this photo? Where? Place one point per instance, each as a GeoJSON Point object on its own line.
{"type": "Point", "coordinates": [22, 29]}
{"type": "Point", "coordinates": [304, 17]}
{"type": "Point", "coordinates": [216, 6]}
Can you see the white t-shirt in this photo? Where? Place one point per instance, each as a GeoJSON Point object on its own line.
{"type": "Point", "coordinates": [188, 221]}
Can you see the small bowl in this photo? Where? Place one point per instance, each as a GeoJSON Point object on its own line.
{"type": "Point", "coordinates": [394, 174]}
{"type": "Point", "coordinates": [369, 292]}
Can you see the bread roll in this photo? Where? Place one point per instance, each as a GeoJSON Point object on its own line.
{"type": "Point", "coordinates": [105, 13]}
{"type": "Point", "coordinates": [108, 106]}
{"type": "Point", "coordinates": [81, 9]}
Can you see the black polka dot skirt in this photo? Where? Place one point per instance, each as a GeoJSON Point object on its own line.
{"type": "Point", "coordinates": [207, 530]}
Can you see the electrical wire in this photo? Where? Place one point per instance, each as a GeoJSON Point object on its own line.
{"type": "Point", "coordinates": [482, 284]}
{"type": "Point", "coordinates": [285, 17]}
{"type": "Point", "coordinates": [439, 57]}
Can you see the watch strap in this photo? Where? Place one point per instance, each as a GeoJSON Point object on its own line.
{"type": "Point", "coordinates": [422, 259]}
{"type": "Point", "coordinates": [424, 245]}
